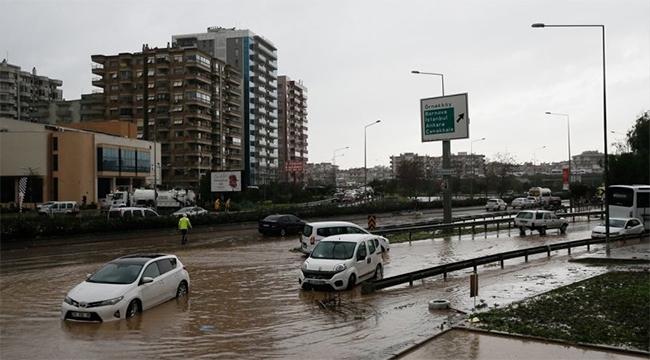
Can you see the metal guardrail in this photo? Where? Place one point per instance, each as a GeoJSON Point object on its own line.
{"type": "Point", "coordinates": [470, 222]}
{"type": "Point", "coordinates": [374, 285]}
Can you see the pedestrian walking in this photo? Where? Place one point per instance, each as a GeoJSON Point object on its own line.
{"type": "Point", "coordinates": [183, 225]}
{"type": "Point", "coordinates": [216, 205]}
{"type": "Point", "coordinates": [227, 204]}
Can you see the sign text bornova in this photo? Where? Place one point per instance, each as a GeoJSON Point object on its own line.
{"type": "Point", "coordinates": [444, 118]}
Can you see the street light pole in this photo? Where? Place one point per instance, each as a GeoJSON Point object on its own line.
{"type": "Point", "coordinates": [446, 159]}
{"type": "Point", "coordinates": [535, 157]}
{"type": "Point", "coordinates": [471, 154]}
{"type": "Point", "coordinates": [365, 166]}
{"type": "Point", "coordinates": [334, 162]}
{"type": "Point", "coordinates": [568, 131]}
{"type": "Point", "coordinates": [605, 162]}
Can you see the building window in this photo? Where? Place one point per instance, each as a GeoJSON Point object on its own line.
{"type": "Point", "coordinates": [55, 162]}
{"type": "Point", "coordinates": [108, 159]}
{"type": "Point", "coordinates": [55, 143]}
{"type": "Point", "coordinates": [143, 163]}
{"type": "Point", "coordinates": [127, 160]}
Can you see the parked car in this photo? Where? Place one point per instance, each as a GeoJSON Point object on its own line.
{"type": "Point", "coordinates": [522, 203]}
{"type": "Point", "coordinates": [539, 220]}
{"type": "Point", "coordinates": [618, 227]}
{"type": "Point", "coordinates": [125, 287]}
{"type": "Point", "coordinates": [44, 205]}
{"type": "Point", "coordinates": [60, 208]}
{"type": "Point", "coordinates": [496, 205]}
{"type": "Point", "coordinates": [313, 232]}
{"type": "Point", "coordinates": [280, 224]}
{"type": "Point", "coordinates": [342, 261]}
{"type": "Point", "coordinates": [350, 196]}
{"type": "Point", "coordinates": [191, 211]}
{"type": "Point", "coordinates": [131, 212]}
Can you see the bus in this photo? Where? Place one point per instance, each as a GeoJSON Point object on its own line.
{"type": "Point", "coordinates": [630, 201]}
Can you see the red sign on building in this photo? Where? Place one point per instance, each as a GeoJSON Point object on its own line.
{"type": "Point", "coordinates": [293, 166]}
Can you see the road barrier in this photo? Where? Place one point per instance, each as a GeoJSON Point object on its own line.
{"type": "Point", "coordinates": [460, 223]}
{"type": "Point", "coordinates": [374, 285]}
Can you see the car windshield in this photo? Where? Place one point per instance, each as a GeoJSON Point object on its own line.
{"type": "Point", "coordinates": [338, 250]}
{"type": "Point", "coordinates": [615, 223]}
{"type": "Point", "coordinates": [115, 273]}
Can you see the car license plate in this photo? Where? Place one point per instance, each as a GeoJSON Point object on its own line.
{"type": "Point", "coordinates": [83, 315]}
{"type": "Point", "coordinates": [315, 281]}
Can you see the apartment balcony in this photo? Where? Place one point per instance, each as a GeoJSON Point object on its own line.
{"type": "Point", "coordinates": [99, 82]}
{"type": "Point", "coordinates": [98, 69]}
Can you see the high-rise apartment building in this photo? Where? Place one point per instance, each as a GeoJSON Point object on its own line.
{"type": "Point", "coordinates": [292, 128]}
{"type": "Point", "coordinates": [256, 58]}
{"type": "Point", "coordinates": [184, 99]}
{"type": "Point", "coordinates": [26, 96]}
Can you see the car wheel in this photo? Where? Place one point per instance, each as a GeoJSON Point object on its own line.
{"type": "Point", "coordinates": [283, 232]}
{"type": "Point", "coordinates": [563, 228]}
{"type": "Point", "coordinates": [182, 289]}
{"type": "Point", "coordinates": [133, 309]}
{"type": "Point", "coordinates": [522, 231]}
{"type": "Point", "coordinates": [542, 230]}
{"type": "Point", "coordinates": [379, 272]}
{"type": "Point", "coordinates": [352, 280]}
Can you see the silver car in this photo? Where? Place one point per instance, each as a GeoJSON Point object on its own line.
{"type": "Point", "coordinates": [539, 220]}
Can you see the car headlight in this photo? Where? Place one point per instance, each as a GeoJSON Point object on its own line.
{"type": "Point", "coordinates": [110, 302]}
{"type": "Point", "coordinates": [340, 267]}
{"type": "Point", "coordinates": [304, 266]}
{"type": "Point", "coordinates": [67, 300]}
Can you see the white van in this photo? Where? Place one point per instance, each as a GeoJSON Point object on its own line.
{"type": "Point", "coordinates": [313, 232]}
{"type": "Point", "coordinates": [60, 208]}
{"type": "Point", "coordinates": [340, 262]}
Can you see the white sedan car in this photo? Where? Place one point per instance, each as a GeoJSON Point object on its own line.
{"type": "Point", "coordinates": [191, 211]}
{"type": "Point", "coordinates": [125, 287]}
{"type": "Point", "coordinates": [522, 203]}
{"type": "Point", "coordinates": [618, 227]}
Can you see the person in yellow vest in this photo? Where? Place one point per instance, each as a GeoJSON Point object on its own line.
{"type": "Point", "coordinates": [183, 225]}
{"type": "Point", "coordinates": [227, 204]}
{"type": "Point", "coordinates": [216, 205]}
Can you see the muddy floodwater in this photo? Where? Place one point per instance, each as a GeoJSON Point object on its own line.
{"type": "Point", "coordinates": [245, 302]}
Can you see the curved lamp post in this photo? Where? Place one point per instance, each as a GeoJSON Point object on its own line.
{"type": "Point", "coordinates": [471, 154]}
{"type": "Point", "coordinates": [365, 166]}
{"type": "Point", "coordinates": [605, 162]}
{"type": "Point", "coordinates": [334, 161]}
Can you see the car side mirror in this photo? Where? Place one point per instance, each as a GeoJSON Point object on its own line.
{"type": "Point", "coordinates": [361, 257]}
{"type": "Point", "coordinates": [146, 280]}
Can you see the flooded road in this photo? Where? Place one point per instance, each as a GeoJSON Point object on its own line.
{"type": "Point", "coordinates": [245, 301]}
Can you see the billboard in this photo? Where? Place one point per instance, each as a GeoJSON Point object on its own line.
{"type": "Point", "coordinates": [225, 181]}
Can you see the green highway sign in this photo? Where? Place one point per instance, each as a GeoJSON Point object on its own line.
{"type": "Point", "coordinates": [444, 118]}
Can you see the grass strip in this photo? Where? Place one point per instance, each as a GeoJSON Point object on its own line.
{"type": "Point", "coordinates": [612, 309]}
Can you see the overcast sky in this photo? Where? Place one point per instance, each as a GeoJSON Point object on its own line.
{"type": "Point", "coordinates": [356, 57]}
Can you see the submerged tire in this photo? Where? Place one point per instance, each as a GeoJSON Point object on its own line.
{"type": "Point", "coordinates": [379, 272]}
{"type": "Point", "coordinates": [182, 289]}
{"type": "Point", "coordinates": [522, 231]}
{"type": "Point", "coordinates": [437, 304]}
{"type": "Point", "coordinates": [283, 232]}
{"type": "Point", "coordinates": [133, 309]}
{"type": "Point", "coordinates": [352, 280]}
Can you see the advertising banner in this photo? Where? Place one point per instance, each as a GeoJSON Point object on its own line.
{"type": "Point", "coordinates": [225, 181]}
{"type": "Point", "coordinates": [565, 178]}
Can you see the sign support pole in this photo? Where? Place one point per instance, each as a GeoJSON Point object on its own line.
{"type": "Point", "coordinates": [446, 193]}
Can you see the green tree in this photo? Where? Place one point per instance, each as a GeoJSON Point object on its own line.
{"type": "Point", "coordinates": [633, 167]}
{"type": "Point", "coordinates": [410, 175]}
